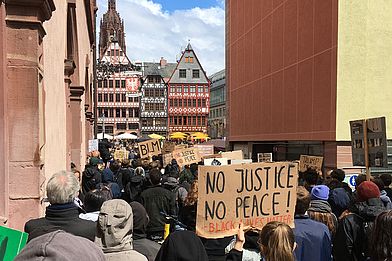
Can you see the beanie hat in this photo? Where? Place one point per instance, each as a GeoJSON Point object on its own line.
{"type": "Point", "coordinates": [367, 190]}
{"type": "Point", "coordinates": [59, 245]}
{"type": "Point", "coordinates": [320, 192]}
{"type": "Point", "coordinates": [95, 161]}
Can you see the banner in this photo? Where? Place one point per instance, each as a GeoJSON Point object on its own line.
{"type": "Point", "coordinates": [186, 156]}
{"type": "Point", "coordinates": [233, 155]}
{"type": "Point", "coordinates": [149, 148]}
{"type": "Point", "coordinates": [92, 145]}
{"type": "Point", "coordinates": [132, 84]}
{"type": "Point", "coordinates": [205, 150]}
{"type": "Point", "coordinates": [310, 162]}
{"type": "Point", "coordinates": [11, 243]}
{"type": "Point", "coordinates": [264, 157]}
{"type": "Point", "coordinates": [253, 194]}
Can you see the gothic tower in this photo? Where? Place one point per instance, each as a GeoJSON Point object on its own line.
{"type": "Point", "coordinates": [111, 26]}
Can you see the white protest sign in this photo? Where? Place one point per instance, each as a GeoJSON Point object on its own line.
{"type": "Point", "coordinates": [92, 145]}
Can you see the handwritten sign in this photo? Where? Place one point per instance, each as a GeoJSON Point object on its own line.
{"type": "Point", "coordinates": [121, 155]}
{"type": "Point", "coordinates": [233, 155]}
{"type": "Point", "coordinates": [168, 147]}
{"type": "Point", "coordinates": [149, 148]}
{"type": "Point", "coordinates": [92, 145]}
{"type": "Point", "coordinates": [216, 161]}
{"type": "Point", "coordinates": [11, 242]}
{"type": "Point", "coordinates": [205, 150]}
{"type": "Point", "coordinates": [187, 156]}
{"type": "Point", "coordinates": [310, 162]}
{"type": "Point", "coordinates": [167, 158]}
{"type": "Point", "coordinates": [253, 194]}
{"type": "Point", "coordinates": [264, 157]}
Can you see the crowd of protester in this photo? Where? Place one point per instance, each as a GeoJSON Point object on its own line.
{"type": "Point", "coordinates": [117, 210]}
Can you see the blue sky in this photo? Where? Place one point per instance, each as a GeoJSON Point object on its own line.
{"type": "Point", "coordinates": [161, 28]}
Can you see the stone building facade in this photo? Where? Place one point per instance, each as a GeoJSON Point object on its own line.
{"type": "Point", "coordinates": [46, 89]}
{"type": "Point", "coordinates": [217, 116]}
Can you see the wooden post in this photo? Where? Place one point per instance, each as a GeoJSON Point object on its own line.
{"type": "Point", "coordinates": [366, 145]}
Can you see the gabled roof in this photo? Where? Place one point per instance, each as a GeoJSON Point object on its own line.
{"type": "Point", "coordinates": [166, 71]}
{"type": "Point", "coordinates": [184, 63]}
{"type": "Point", "coordinates": [114, 58]}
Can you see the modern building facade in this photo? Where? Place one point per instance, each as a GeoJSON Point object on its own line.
{"type": "Point", "coordinates": [153, 102]}
{"type": "Point", "coordinates": [46, 89]}
{"type": "Point", "coordinates": [299, 71]}
{"type": "Point", "coordinates": [217, 116]}
{"type": "Point", "coordinates": [118, 98]}
{"type": "Point", "coordinates": [189, 95]}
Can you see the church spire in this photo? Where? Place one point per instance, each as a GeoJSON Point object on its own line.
{"type": "Point", "coordinates": [112, 4]}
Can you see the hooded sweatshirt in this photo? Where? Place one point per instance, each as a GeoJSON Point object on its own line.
{"type": "Point", "coordinates": [114, 231]}
{"type": "Point", "coordinates": [182, 246]}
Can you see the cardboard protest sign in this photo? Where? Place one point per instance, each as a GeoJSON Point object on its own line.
{"type": "Point", "coordinates": [167, 158]}
{"type": "Point", "coordinates": [233, 162]}
{"type": "Point", "coordinates": [310, 162]}
{"type": "Point", "coordinates": [187, 156]}
{"type": "Point", "coordinates": [264, 157]}
{"type": "Point", "coordinates": [92, 145]}
{"type": "Point", "coordinates": [205, 150]}
{"type": "Point", "coordinates": [233, 155]}
{"type": "Point", "coordinates": [216, 161]}
{"type": "Point", "coordinates": [253, 194]}
{"type": "Point", "coordinates": [149, 148]}
{"type": "Point", "coordinates": [120, 155]}
{"type": "Point", "coordinates": [11, 243]}
{"type": "Point", "coordinates": [168, 147]}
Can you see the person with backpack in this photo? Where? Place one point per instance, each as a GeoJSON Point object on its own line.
{"type": "Point", "coordinates": [352, 236]}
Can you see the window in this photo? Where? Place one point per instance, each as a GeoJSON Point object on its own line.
{"type": "Point", "coordinates": [184, 120]}
{"type": "Point", "coordinates": [111, 97]}
{"type": "Point", "coordinates": [186, 89]}
{"type": "Point", "coordinates": [108, 53]}
{"type": "Point", "coordinates": [193, 102]}
{"type": "Point", "coordinates": [117, 97]}
{"type": "Point", "coordinates": [121, 126]}
{"type": "Point", "coordinates": [105, 97]}
{"type": "Point", "coordinates": [122, 83]}
{"type": "Point", "coordinates": [189, 103]}
{"type": "Point", "coordinates": [187, 59]}
{"type": "Point", "coordinates": [206, 89]}
{"type": "Point", "coordinates": [161, 106]}
{"type": "Point", "coordinates": [175, 102]}
{"type": "Point", "coordinates": [130, 99]}
{"type": "Point", "coordinates": [136, 111]}
{"type": "Point", "coordinates": [180, 103]}
{"type": "Point", "coordinates": [99, 97]}
{"type": "Point", "coordinates": [124, 113]}
{"type": "Point", "coordinates": [195, 73]}
{"type": "Point", "coordinates": [198, 102]}
{"type": "Point", "coordinates": [110, 83]}
{"type": "Point", "coordinates": [179, 120]}
{"type": "Point", "coordinates": [118, 113]}
{"type": "Point", "coordinates": [198, 120]}
{"type": "Point", "coordinates": [171, 120]}
{"type": "Point", "coordinates": [175, 120]}
{"type": "Point", "coordinates": [171, 103]}
{"type": "Point", "coordinates": [111, 113]}
{"type": "Point", "coordinates": [172, 89]}
{"type": "Point", "coordinates": [123, 97]}
{"type": "Point", "coordinates": [99, 83]}
{"type": "Point", "coordinates": [133, 126]}
{"type": "Point", "coordinates": [179, 89]}
{"type": "Point", "coordinates": [136, 99]}
{"type": "Point", "coordinates": [106, 112]}
{"type": "Point", "coordinates": [99, 112]}
{"type": "Point", "coordinates": [192, 89]}
{"type": "Point", "coordinates": [200, 89]}
{"type": "Point", "coordinates": [117, 83]}
{"type": "Point", "coordinates": [203, 103]}
{"type": "Point", "coordinates": [121, 53]}
{"type": "Point", "coordinates": [182, 73]}
{"type": "Point", "coordinates": [117, 52]}
{"type": "Point", "coordinates": [194, 120]}
{"type": "Point", "coordinates": [191, 59]}
{"type": "Point", "coordinates": [105, 83]}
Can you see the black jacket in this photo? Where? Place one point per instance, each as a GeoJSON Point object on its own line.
{"type": "Point", "coordinates": [351, 239]}
{"type": "Point", "coordinates": [91, 177]}
{"type": "Point", "coordinates": [156, 200]}
{"type": "Point", "coordinates": [65, 217]}
{"type": "Point", "coordinates": [187, 216]}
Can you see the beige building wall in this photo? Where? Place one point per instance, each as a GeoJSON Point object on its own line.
{"type": "Point", "coordinates": [364, 78]}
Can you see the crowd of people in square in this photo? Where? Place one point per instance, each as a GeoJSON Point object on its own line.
{"type": "Point", "coordinates": [119, 210]}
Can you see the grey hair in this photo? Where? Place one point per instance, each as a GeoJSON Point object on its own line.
{"type": "Point", "coordinates": [62, 188]}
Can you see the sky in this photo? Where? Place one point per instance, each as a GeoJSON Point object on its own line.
{"type": "Point", "coordinates": [162, 28]}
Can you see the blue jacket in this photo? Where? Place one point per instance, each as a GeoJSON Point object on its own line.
{"type": "Point", "coordinates": [313, 240]}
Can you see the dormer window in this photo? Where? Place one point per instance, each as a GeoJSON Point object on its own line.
{"type": "Point", "coordinates": [182, 73]}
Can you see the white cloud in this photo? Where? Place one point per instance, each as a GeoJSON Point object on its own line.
{"type": "Point", "coordinates": [152, 32]}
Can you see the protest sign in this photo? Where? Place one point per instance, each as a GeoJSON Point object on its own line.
{"type": "Point", "coordinates": [120, 155]}
{"type": "Point", "coordinates": [168, 147]}
{"type": "Point", "coordinates": [167, 158]}
{"type": "Point", "coordinates": [233, 155]}
{"type": "Point", "coordinates": [216, 161]}
{"type": "Point", "coordinates": [205, 150]}
{"type": "Point", "coordinates": [310, 162]}
{"type": "Point", "coordinates": [11, 243]}
{"type": "Point", "coordinates": [92, 145]}
{"type": "Point", "coordinates": [264, 157]}
{"type": "Point", "coordinates": [149, 148]}
{"type": "Point", "coordinates": [233, 162]}
{"type": "Point", "coordinates": [186, 156]}
{"type": "Point", "coordinates": [253, 194]}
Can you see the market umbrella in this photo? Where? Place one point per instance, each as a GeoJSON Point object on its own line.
{"type": "Point", "coordinates": [177, 136]}
{"type": "Point", "coordinates": [126, 136]}
{"type": "Point", "coordinates": [100, 136]}
{"type": "Point", "coordinates": [156, 136]}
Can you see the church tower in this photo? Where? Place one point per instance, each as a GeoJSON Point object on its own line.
{"type": "Point", "coordinates": [112, 26]}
